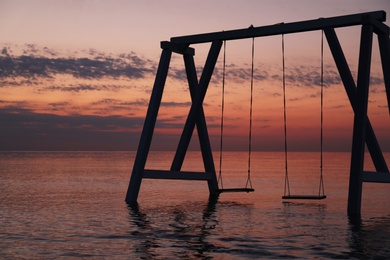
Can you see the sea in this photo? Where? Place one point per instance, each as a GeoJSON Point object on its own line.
{"type": "Point", "coordinates": [66, 205]}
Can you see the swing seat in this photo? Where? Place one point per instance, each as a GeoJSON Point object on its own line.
{"type": "Point", "coordinates": [304, 197]}
{"type": "Point", "coordinates": [236, 190]}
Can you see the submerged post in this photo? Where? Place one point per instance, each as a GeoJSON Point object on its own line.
{"type": "Point", "coordinates": [149, 124]}
{"type": "Point", "coordinates": [360, 120]}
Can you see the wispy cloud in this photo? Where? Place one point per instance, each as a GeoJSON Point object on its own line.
{"type": "Point", "coordinates": [176, 104]}
{"type": "Point", "coordinates": [24, 129]}
{"type": "Point", "coordinates": [100, 107]}
{"type": "Point", "coordinates": [35, 62]}
{"type": "Point", "coordinates": [84, 87]}
{"type": "Point", "coordinates": [308, 76]}
{"type": "Point", "coordinates": [112, 101]}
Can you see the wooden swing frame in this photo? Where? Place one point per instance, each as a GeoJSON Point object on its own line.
{"type": "Point", "coordinates": [363, 133]}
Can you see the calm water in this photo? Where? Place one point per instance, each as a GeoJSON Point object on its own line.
{"type": "Point", "coordinates": [71, 204]}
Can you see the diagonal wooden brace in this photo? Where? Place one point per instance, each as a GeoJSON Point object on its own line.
{"type": "Point", "coordinates": [194, 114]}
{"type": "Point", "coordinates": [350, 88]}
{"type": "Point", "coordinates": [201, 125]}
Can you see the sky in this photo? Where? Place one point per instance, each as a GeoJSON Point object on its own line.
{"type": "Point", "coordinates": [77, 75]}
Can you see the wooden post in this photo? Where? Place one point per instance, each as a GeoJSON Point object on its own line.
{"type": "Point", "coordinates": [149, 124]}
{"type": "Point", "coordinates": [360, 119]}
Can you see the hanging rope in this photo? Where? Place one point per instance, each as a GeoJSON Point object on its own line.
{"type": "Point", "coordinates": [249, 182]}
{"type": "Point", "coordinates": [286, 181]}
{"type": "Point", "coordinates": [222, 116]}
{"type": "Point", "coordinates": [248, 186]}
{"type": "Point", "coordinates": [321, 188]}
{"type": "Point", "coordinates": [321, 191]}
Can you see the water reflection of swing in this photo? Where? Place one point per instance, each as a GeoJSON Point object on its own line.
{"type": "Point", "coordinates": [146, 231]}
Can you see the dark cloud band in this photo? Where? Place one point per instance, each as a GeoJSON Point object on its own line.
{"type": "Point", "coordinates": [31, 65]}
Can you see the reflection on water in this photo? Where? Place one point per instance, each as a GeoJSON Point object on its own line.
{"type": "Point", "coordinates": [193, 230]}
{"type": "Point", "coordinates": [186, 233]}
{"type": "Point", "coordinates": [66, 205]}
{"type": "Point", "coordinates": [370, 238]}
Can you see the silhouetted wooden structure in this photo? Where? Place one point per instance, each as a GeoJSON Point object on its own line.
{"type": "Point", "coordinates": [363, 133]}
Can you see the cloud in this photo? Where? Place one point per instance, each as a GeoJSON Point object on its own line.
{"type": "Point", "coordinates": [111, 101]}
{"type": "Point", "coordinates": [50, 52]}
{"type": "Point", "coordinates": [24, 129]}
{"type": "Point", "coordinates": [4, 52]}
{"type": "Point", "coordinates": [233, 73]}
{"type": "Point", "coordinates": [239, 74]}
{"type": "Point", "coordinates": [310, 77]}
{"type": "Point", "coordinates": [176, 104]}
{"type": "Point", "coordinates": [84, 87]}
{"type": "Point", "coordinates": [179, 74]}
{"type": "Point", "coordinates": [31, 48]}
{"type": "Point", "coordinates": [17, 82]}
{"type": "Point", "coordinates": [59, 105]}
{"type": "Point", "coordinates": [338, 106]}
{"type": "Point", "coordinates": [35, 62]}
{"type": "Point", "coordinates": [295, 99]}
{"type": "Point", "coordinates": [101, 107]}
{"type": "Point", "coordinates": [297, 75]}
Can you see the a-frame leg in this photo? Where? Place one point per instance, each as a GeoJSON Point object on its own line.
{"type": "Point", "coordinates": [197, 104]}
{"type": "Point", "coordinates": [360, 119]}
{"type": "Point", "coordinates": [203, 135]}
{"type": "Point", "coordinates": [148, 129]}
{"type": "Point", "coordinates": [350, 88]}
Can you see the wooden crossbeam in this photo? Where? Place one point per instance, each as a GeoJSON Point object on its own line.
{"type": "Point", "coordinates": [236, 190]}
{"type": "Point", "coordinates": [304, 197]}
{"type": "Point", "coordinates": [282, 28]}
{"type": "Point", "coordinates": [379, 177]}
{"type": "Point", "coordinates": [178, 48]}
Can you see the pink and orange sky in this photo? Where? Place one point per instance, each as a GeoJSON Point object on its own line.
{"type": "Point", "coordinates": [77, 75]}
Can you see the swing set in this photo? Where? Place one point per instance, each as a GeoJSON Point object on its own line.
{"type": "Point", "coordinates": [363, 133]}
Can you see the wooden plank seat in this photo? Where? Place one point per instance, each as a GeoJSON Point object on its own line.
{"type": "Point", "coordinates": [236, 190]}
{"type": "Point", "coordinates": [304, 197]}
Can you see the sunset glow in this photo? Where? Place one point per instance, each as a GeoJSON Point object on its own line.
{"type": "Point", "coordinates": [77, 75]}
